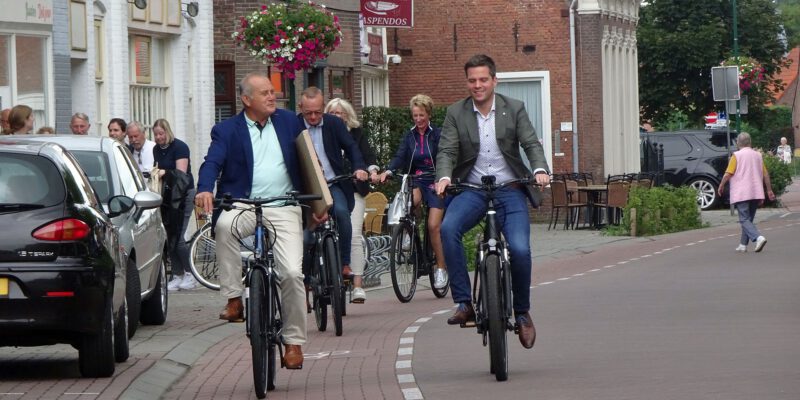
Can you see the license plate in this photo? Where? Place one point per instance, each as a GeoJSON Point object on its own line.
{"type": "Point", "coordinates": [3, 286]}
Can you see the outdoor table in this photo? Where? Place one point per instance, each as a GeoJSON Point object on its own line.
{"type": "Point", "coordinates": [594, 196]}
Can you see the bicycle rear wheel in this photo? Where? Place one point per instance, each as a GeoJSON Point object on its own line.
{"type": "Point", "coordinates": [257, 324]}
{"type": "Point", "coordinates": [495, 314]}
{"type": "Point", "coordinates": [403, 262]}
{"type": "Point", "coordinates": [203, 257]}
{"type": "Point", "coordinates": [335, 291]}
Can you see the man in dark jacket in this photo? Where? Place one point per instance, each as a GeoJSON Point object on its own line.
{"type": "Point", "coordinates": [331, 138]}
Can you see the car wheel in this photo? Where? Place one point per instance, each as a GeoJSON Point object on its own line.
{"type": "Point", "coordinates": [707, 196]}
{"type": "Point", "coordinates": [133, 294]}
{"type": "Point", "coordinates": [154, 309]}
{"type": "Point", "coordinates": [96, 353]}
{"type": "Point", "coordinates": [121, 348]}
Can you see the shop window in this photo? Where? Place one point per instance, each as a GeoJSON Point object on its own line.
{"type": "Point", "coordinates": [340, 82]}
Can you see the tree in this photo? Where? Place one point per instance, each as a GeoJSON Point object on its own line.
{"type": "Point", "coordinates": [790, 12]}
{"type": "Point", "coordinates": [679, 41]}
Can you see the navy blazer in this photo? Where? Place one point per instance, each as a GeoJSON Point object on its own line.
{"type": "Point", "coordinates": [230, 155]}
{"type": "Point", "coordinates": [336, 138]}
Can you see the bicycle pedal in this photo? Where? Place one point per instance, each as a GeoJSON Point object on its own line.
{"type": "Point", "coordinates": [469, 324]}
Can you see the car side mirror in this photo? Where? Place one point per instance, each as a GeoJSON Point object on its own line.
{"type": "Point", "coordinates": [146, 200]}
{"type": "Point", "coordinates": [119, 204]}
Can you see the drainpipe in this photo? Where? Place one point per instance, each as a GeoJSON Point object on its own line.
{"type": "Point", "coordinates": [574, 86]}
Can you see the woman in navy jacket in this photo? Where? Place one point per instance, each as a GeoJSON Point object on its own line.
{"type": "Point", "coordinates": [416, 155]}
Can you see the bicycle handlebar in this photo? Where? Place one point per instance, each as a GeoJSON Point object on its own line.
{"type": "Point", "coordinates": [488, 184]}
{"type": "Point", "coordinates": [291, 198]}
{"type": "Point", "coordinates": [339, 178]}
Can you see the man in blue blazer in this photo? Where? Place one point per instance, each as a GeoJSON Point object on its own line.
{"type": "Point", "coordinates": [253, 155]}
{"type": "Point", "coordinates": [331, 137]}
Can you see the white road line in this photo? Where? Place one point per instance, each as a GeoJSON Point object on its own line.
{"type": "Point", "coordinates": [633, 259]}
{"type": "Point", "coordinates": [440, 312]}
{"type": "Point", "coordinates": [622, 262]}
{"type": "Point", "coordinates": [581, 274]}
{"type": "Point", "coordinates": [701, 241]}
{"type": "Point", "coordinates": [545, 283]}
{"type": "Point", "coordinates": [405, 351]}
{"type": "Point", "coordinates": [563, 279]}
{"type": "Point", "coordinates": [411, 329]}
{"type": "Point", "coordinates": [647, 255]}
{"type": "Point", "coordinates": [422, 320]}
{"type": "Point", "coordinates": [405, 378]}
{"type": "Point", "coordinates": [82, 393]}
{"type": "Point", "coordinates": [407, 340]}
{"type": "Point", "coordinates": [412, 394]}
{"type": "Point", "coordinates": [594, 270]}
{"type": "Point", "coordinates": [691, 244]}
{"type": "Point", "coordinates": [609, 266]}
{"type": "Point", "coordinates": [402, 364]}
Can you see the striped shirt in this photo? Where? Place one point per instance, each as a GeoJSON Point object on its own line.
{"type": "Point", "coordinates": [490, 160]}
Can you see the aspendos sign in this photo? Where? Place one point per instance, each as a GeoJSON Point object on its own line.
{"type": "Point", "coordinates": [388, 13]}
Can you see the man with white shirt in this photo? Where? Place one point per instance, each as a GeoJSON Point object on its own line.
{"type": "Point", "coordinates": [140, 146]}
{"type": "Point", "coordinates": [481, 136]}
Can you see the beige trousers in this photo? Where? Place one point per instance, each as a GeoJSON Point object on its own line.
{"type": "Point", "coordinates": [288, 252]}
{"type": "Point", "coordinates": [357, 261]}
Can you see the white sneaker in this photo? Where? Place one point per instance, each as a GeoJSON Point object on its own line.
{"type": "Point", "coordinates": [188, 282]}
{"type": "Point", "coordinates": [440, 278]}
{"type": "Point", "coordinates": [741, 248]}
{"type": "Point", "coordinates": [175, 283]}
{"type": "Point", "coordinates": [760, 242]}
{"type": "Point", "coordinates": [359, 296]}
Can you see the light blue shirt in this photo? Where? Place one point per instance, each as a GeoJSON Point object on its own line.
{"type": "Point", "coordinates": [270, 175]}
{"type": "Point", "coordinates": [319, 147]}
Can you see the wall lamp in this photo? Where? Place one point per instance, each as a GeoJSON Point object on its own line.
{"type": "Point", "coordinates": [192, 8]}
{"type": "Point", "coordinates": [140, 4]}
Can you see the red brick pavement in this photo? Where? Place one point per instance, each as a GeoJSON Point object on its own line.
{"type": "Point", "coordinates": [358, 365]}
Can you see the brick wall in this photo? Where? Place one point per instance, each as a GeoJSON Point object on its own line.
{"type": "Point", "coordinates": [226, 21]}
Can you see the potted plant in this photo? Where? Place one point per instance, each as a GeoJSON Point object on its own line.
{"type": "Point", "coordinates": [291, 35]}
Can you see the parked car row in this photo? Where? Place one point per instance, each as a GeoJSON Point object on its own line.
{"type": "Point", "coordinates": [693, 158]}
{"type": "Point", "coordinates": [82, 258]}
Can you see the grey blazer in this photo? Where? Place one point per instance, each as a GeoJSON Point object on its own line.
{"type": "Point", "coordinates": [459, 143]}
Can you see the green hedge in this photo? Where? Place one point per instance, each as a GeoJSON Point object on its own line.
{"type": "Point", "coordinates": [780, 174]}
{"type": "Point", "coordinates": [662, 210]}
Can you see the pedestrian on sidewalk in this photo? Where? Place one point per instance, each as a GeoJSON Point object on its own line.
{"type": "Point", "coordinates": [481, 136]}
{"type": "Point", "coordinates": [748, 176]}
{"type": "Point", "coordinates": [253, 155]}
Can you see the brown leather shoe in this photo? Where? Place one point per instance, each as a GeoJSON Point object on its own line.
{"type": "Point", "coordinates": [527, 332]}
{"type": "Point", "coordinates": [233, 311]}
{"type": "Point", "coordinates": [464, 316]}
{"type": "Point", "coordinates": [293, 357]}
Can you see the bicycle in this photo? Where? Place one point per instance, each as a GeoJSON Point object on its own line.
{"type": "Point", "coordinates": [262, 302]}
{"type": "Point", "coordinates": [491, 289]}
{"type": "Point", "coordinates": [409, 257]}
{"type": "Point", "coordinates": [325, 275]}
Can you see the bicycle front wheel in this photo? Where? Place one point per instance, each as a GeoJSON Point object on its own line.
{"type": "Point", "coordinates": [203, 257]}
{"type": "Point", "coordinates": [498, 344]}
{"type": "Point", "coordinates": [335, 291]}
{"type": "Point", "coordinates": [257, 325]}
{"type": "Point", "coordinates": [274, 320]}
{"type": "Point", "coordinates": [403, 263]}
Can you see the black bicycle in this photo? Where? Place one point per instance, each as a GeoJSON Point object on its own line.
{"type": "Point", "coordinates": [491, 289]}
{"type": "Point", "coordinates": [325, 277]}
{"type": "Point", "coordinates": [411, 253]}
{"type": "Point", "coordinates": [262, 303]}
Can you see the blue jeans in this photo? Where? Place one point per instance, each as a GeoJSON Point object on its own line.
{"type": "Point", "coordinates": [747, 211]}
{"type": "Point", "coordinates": [464, 212]}
{"type": "Point", "coordinates": [341, 211]}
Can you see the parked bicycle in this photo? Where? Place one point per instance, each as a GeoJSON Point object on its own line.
{"type": "Point", "coordinates": [325, 275]}
{"type": "Point", "coordinates": [491, 289]}
{"type": "Point", "coordinates": [262, 294]}
{"type": "Point", "coordinates": [411, 253]}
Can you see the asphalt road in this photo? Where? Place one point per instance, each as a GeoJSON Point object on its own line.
{"type": "Point", "coordinates": [682, 316]}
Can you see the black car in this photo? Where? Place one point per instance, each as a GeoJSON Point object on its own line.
{"type": "Point", "coordinates": [694, 158]}
{"type": "Point", "coordinates": [61, 279]}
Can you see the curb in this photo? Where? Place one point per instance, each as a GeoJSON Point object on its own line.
{"type": "Point", "coordinates": [157, 380]}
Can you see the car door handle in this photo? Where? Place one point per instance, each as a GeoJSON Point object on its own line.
{"type": "Point", "coordinates": [691, 158]}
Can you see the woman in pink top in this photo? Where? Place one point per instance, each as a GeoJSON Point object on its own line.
{"type": "Point", "coordinates": [748, 176]}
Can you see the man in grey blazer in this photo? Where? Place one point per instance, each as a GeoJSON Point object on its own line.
{"type": "Point", "coordinates": [481, 136]}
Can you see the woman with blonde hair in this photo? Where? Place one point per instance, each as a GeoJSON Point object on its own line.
{"type": "Point", "coordinates": [415, 155]}
{"type": "Point", "coordinates": [342, 109]}
{"type": "Point", "coordinates": [172, 156]}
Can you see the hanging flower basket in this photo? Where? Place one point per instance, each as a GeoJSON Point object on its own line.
{"type": "Point", "coordinates": [751, 73]}
{"type": "Point", "coordinates": [292, 36]}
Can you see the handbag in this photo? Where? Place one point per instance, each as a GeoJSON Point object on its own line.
{"type": "Point", "coordinates": [397, 209]}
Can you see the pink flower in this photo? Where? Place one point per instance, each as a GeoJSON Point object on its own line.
{"type": "Point", "coordinates": [263, 7]}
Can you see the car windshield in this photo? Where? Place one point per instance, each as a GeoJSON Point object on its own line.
{"type": "Point", "coordinates": [95, 165]}
{"type": "Point", "coordinates": [29, 181]}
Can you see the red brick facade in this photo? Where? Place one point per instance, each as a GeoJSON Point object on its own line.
{"type": "Point", "coordinates": [447, 33]}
